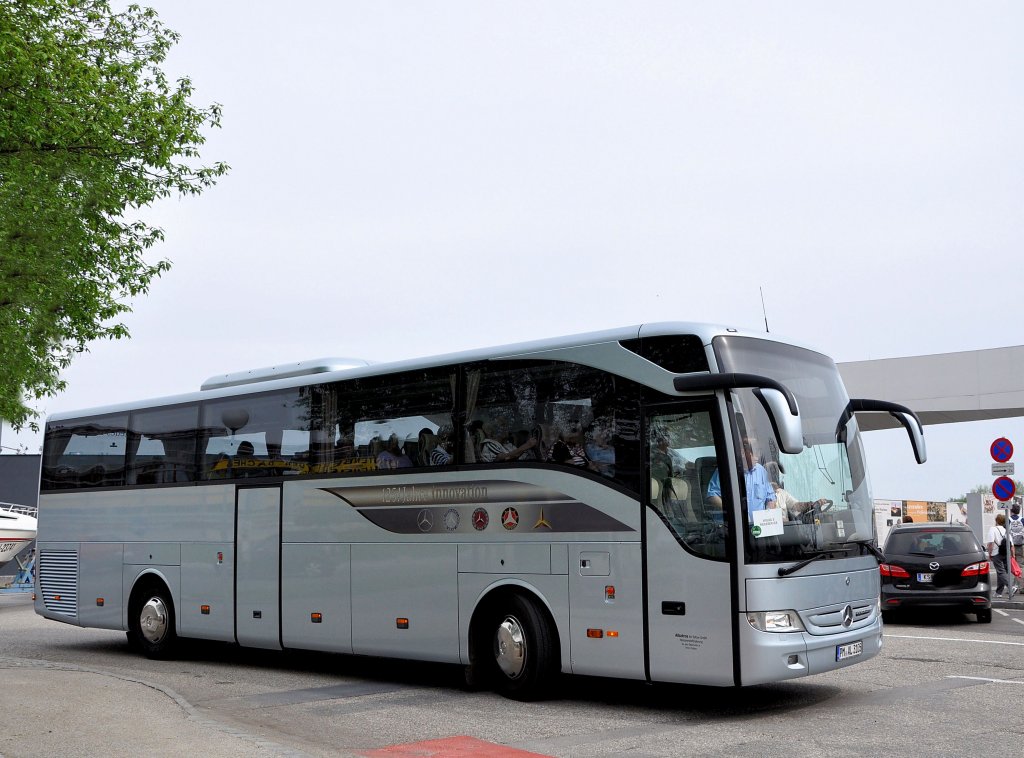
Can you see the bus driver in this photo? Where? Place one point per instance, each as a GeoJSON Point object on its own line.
{"type": "Point", "coordinates": [760, 494]}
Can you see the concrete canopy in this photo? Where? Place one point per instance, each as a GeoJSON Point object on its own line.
{"type": "Point", "coordinates": [947, 388]}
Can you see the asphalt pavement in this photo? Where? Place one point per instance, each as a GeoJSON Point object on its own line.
{"type": "Point", "coordinates": [58, 708]}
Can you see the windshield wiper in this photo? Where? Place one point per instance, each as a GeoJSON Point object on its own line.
{"type": "Point", "coordinates": [787, 570]}
{"type": "Point", "coordinates": [870, 545]}
{"type": "Point", "coordinates": [830, 549]}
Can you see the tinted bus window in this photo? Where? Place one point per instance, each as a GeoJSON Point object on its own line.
{"type": "Point", "coordinates": [394, 421]}
{"type": "Point", "coordinates": [256, 435]}
{"type": "Point", "coordinates": [553, 413]}
{"type": "Point", "coordinates": [678, 353]}
{"type": "Point", "coordinates": [163, 445]}
{"type": "Point", "coordinates": [85, 453]}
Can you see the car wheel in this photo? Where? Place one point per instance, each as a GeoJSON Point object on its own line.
{"type": "Point", "coordinates": [984, 617]}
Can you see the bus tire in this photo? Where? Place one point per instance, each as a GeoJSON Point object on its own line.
{"type": "Point", "coordinates": [519, 655]}
{"type": "Point", "coordinates": [151, 621]}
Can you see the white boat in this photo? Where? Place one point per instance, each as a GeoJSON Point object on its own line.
{"type": "Point", "coordinates": [17, 529]}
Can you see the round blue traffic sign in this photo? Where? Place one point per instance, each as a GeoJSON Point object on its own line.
{"type": "Point", "coordinates": [1001, 450]}
{"type": "Point", "coordinates": [1003, 488]}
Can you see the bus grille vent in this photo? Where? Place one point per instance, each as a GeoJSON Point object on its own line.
{"type": "Point", "coordinates": [832, 620]}
{"type": "Point", "coordinates": [58, 581]}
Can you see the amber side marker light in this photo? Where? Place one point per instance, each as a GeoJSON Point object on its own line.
{"type": "Point", "coordinates": [609, 592]}
{"type": "Point", "coordinates": [99, 602]}
{"type": "Point", "coordinates": [402, 623]}
{"type": "Point", "coordinates": [205, 610]}
{"type": "Point", "coordinates": [595, 634]}
{"type": "Point", "coordinates": [316, 618]}
{"type": "Point", "coordinates": [611, 633]}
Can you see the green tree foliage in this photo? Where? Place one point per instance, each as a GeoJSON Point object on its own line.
{"type": "Point", "coordinates": [90, 131]}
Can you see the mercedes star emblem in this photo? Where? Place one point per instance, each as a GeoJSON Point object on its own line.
{"type": "Point", "coordinates": [847, 616]}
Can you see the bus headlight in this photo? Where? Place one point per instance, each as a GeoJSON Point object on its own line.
{"type": "Point", "coordinates": [775, 621]}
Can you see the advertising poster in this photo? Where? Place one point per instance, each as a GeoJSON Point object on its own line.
{"type": "Point", "coordinates": [917, 510]}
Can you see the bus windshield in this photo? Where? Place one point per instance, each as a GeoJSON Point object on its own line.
{"type": "Point", "coordinates": [821, 498]}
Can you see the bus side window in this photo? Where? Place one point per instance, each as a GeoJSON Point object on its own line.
{"type": "Point", "coordinates": [87, 452]}
{"type": "Point", "coordinates": [162, 447]}
{"type": "Point", "coordinates": [395, 421]}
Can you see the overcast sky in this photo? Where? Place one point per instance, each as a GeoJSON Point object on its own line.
{"type": "Point", "coordinates": [414, 178]}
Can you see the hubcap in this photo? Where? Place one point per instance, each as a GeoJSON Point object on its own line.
{"type": "Point", "coordinates": [510, 647]}
{"type": "Point", "coordinates": [153, 620]}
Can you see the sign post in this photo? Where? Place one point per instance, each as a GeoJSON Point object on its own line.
{"type": "Point", "coordinates": [1003, 488]}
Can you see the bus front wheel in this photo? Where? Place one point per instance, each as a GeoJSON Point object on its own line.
{"type": "Point", "coordinates": [151, 622]}
{"type": "Point", "coordinates": [522, 655]}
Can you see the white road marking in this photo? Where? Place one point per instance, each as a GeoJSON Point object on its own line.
{"type": "Point", "coordinates": [987, 679]}
{"type": "Point", "coordinates": [953, 639]}
{"type": "Point", "coordinates": [1001, 612]}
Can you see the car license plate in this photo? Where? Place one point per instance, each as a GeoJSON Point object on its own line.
{"type": "Point", "coordinates": [852, 650]}
{"type": "Point", "coordinates": [925, 578]}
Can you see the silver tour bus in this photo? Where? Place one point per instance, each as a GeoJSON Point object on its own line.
{"type": "Point", "coordinates": [671, 502]}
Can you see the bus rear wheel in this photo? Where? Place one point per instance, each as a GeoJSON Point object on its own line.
{"type": "Point", "coordinates": [521, 659]}
{"type": "Point", "coordinates": [151, 622]}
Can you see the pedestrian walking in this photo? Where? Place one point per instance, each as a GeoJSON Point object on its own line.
{"type": "Point", "coordinates": [1015, 532]}
{"type": "Point", "coordinates": [996, 545]}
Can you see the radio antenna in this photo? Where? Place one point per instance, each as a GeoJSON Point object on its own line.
{"type": "Point", "coordinates": [763, 309]}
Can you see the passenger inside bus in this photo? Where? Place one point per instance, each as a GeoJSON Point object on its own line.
{"type": "Point", "coordinates": [393, 456]}
{"type": "Point", "coordinates": [426, 442]}
{"type": "Point", "coordinates": [568, 448]}
{"type": "Point", "coordinates": [442, 455]}
{"type": "Point", "coordinates": [600, 449]}
{"type": "Point", "coordinates": [494, 449]}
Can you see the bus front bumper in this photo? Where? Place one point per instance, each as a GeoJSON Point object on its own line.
{"type": "Point", "coordinates": [772, 657]}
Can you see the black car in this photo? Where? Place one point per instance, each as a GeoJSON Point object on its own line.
{"type": "Point", "coordinates": [939, 565]}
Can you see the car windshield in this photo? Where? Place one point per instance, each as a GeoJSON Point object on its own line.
{"type": "Point", "coordinates": [822, 491]}
{"type": "Point", "coordinates": [933, 542]}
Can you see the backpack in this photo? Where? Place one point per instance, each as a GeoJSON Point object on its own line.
{"type": "Point", "coordinates": [1015, 526]}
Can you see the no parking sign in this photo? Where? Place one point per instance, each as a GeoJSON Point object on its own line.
{"type": "Point", "coordinates": [1003, 488]}
{"type": "Point", "coordinates": [1001, 450]}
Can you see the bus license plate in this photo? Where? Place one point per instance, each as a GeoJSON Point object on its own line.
{"type": "Point", "coordinates": [925, 578]}
{"type": "Point", "coordinates": [852, 650]}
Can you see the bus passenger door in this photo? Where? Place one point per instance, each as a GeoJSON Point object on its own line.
{"type": "Point", "coordinates": [258, 567]}
{"type": "Point", "coordinates": [688, 572]}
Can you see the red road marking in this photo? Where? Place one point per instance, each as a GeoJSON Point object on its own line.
{"type": "Point", "coordinates": [451, 747]}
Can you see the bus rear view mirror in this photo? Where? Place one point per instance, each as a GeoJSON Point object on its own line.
{"type": "Point", "coordinates": [777, 399]}
{"type": "Point", "coordinates": [907, 418]}
{"type": "Point", "coordinates": [913, 427]}
{"type": "Point", "coordinates": [787, 426]}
